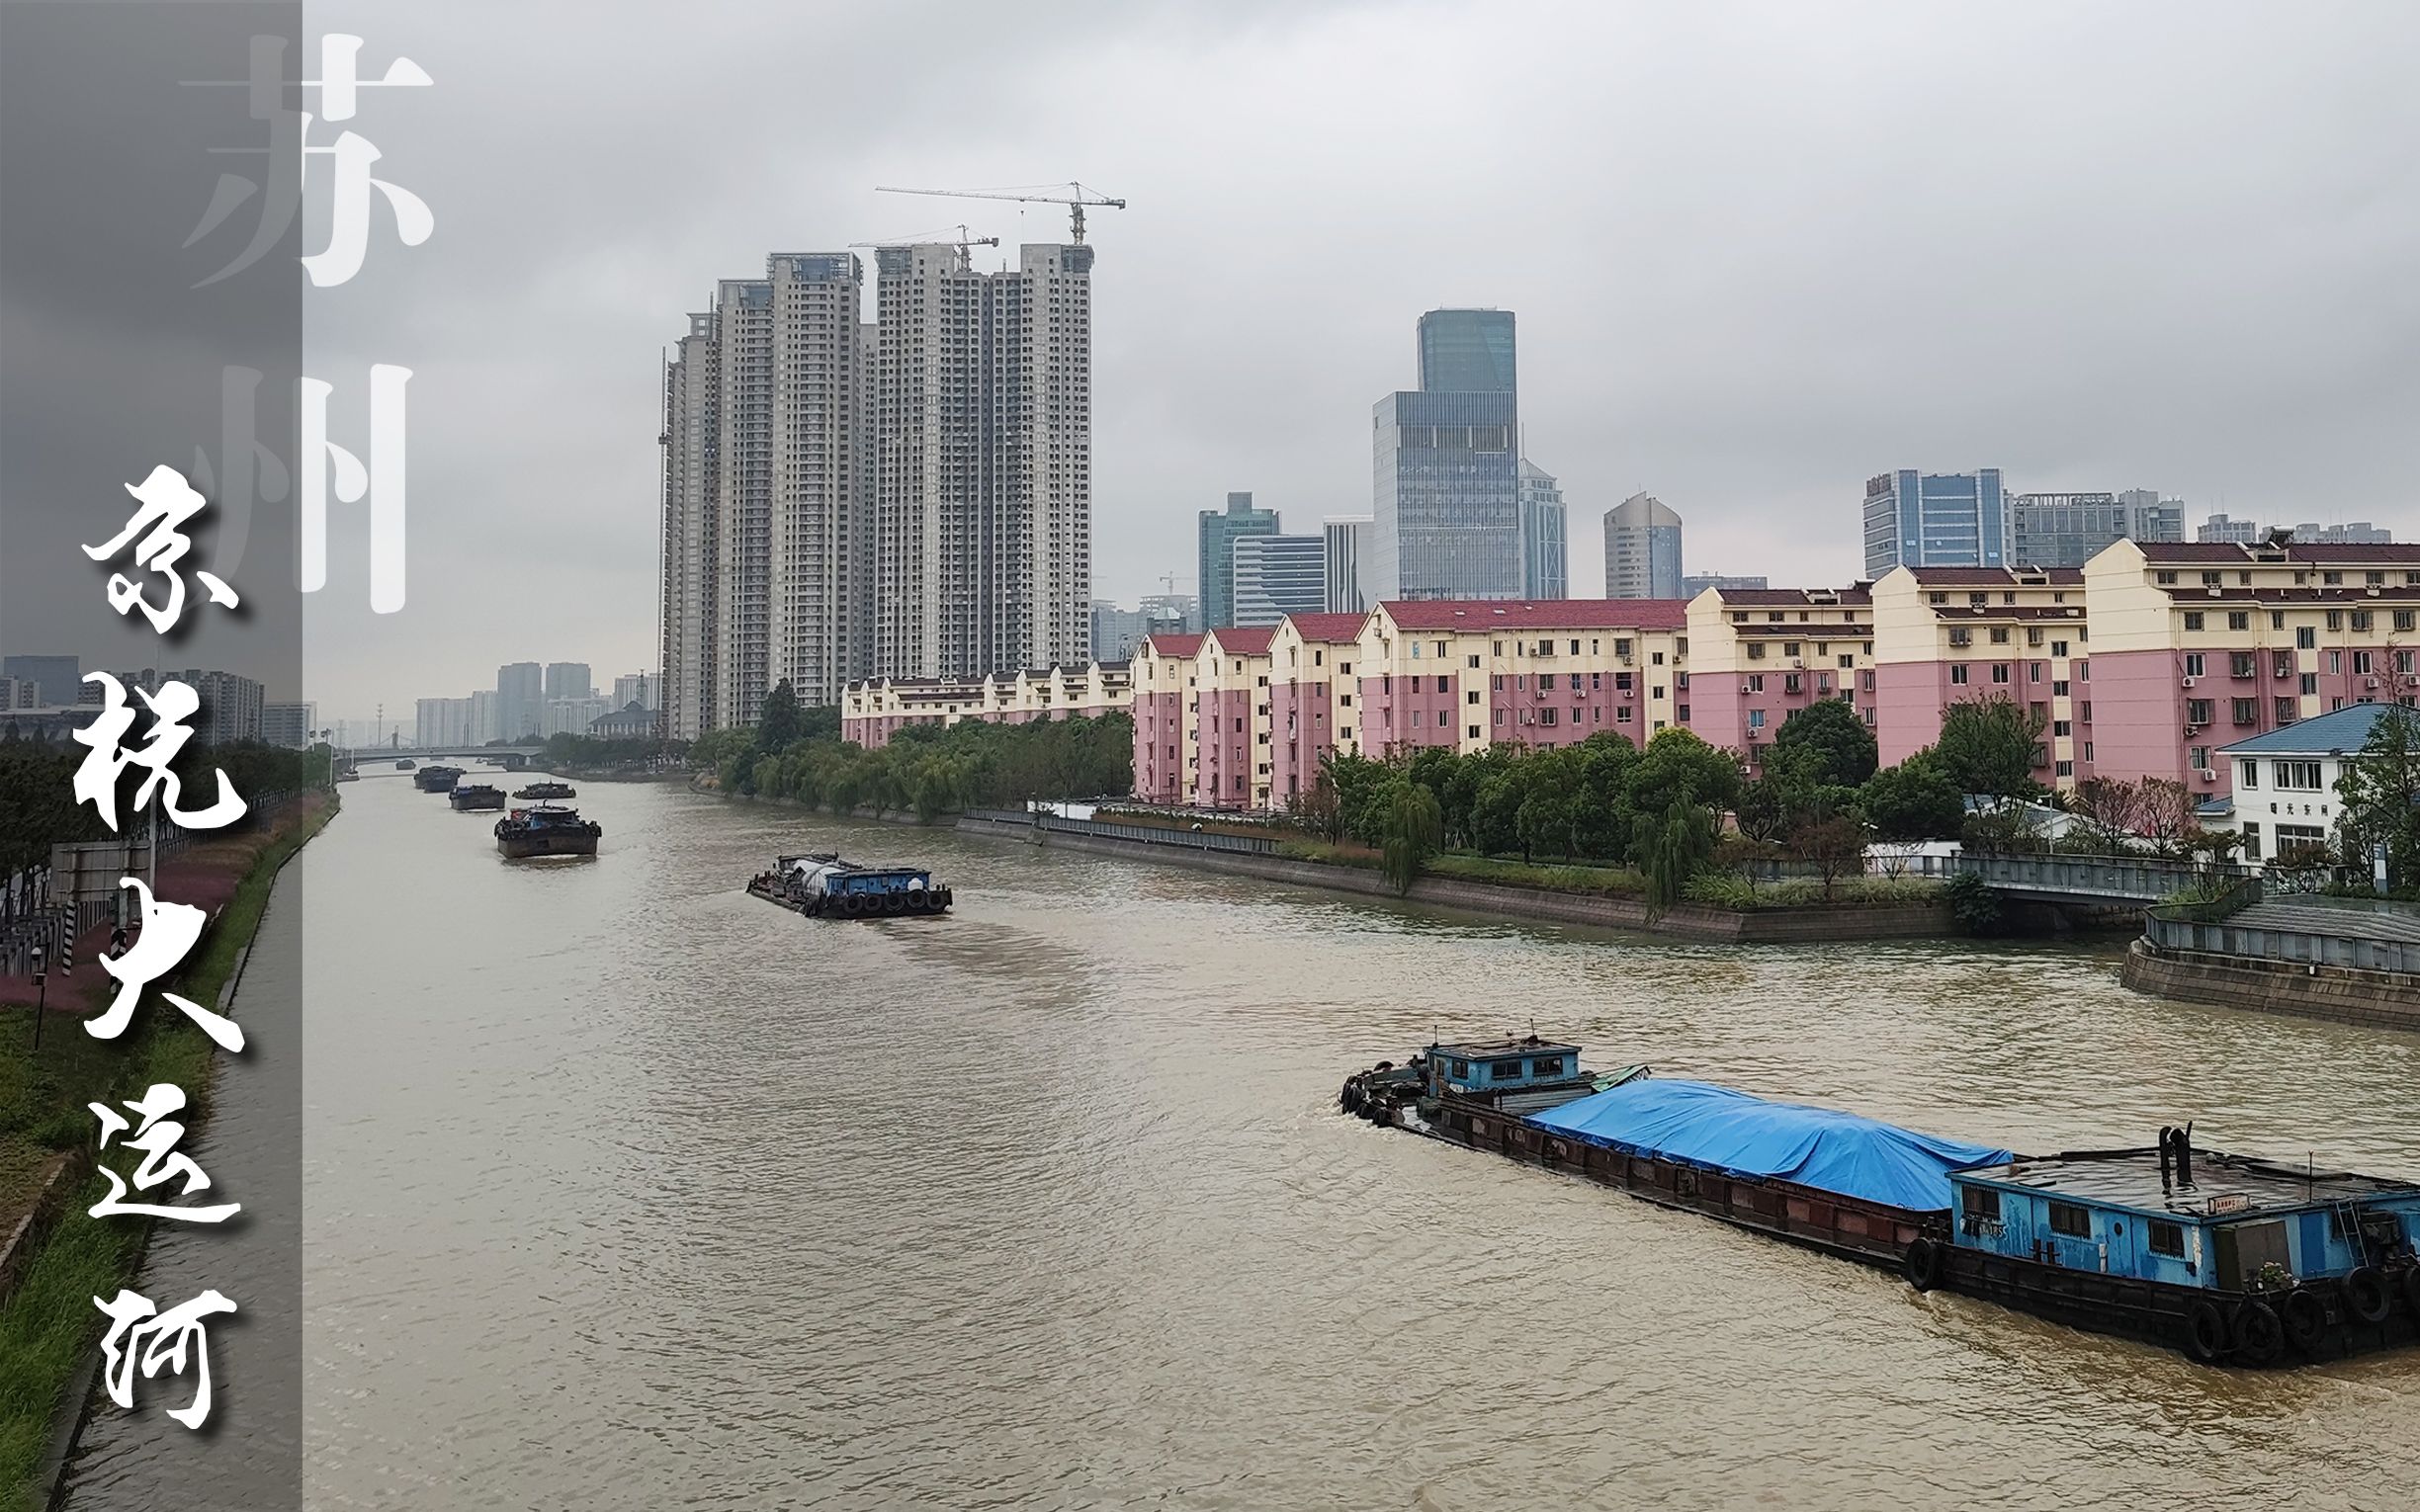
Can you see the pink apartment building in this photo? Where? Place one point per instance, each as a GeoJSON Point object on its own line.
{"type": "Point", "coordinates": [1311, 698]}
{"type": "Point", "coordinates": [1471, 673]}
{"type": "Point", "coordinates": [1758, 655]}
{"type": "Point", "coordinates": [1163, 668]}
{"type": "Point", "coordinates": [1945, 635]}
{"type": "Point", "coordinates": [1231, 719]}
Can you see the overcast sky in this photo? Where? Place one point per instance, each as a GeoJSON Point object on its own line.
{"type": "Point", "coordinates": [1758, 253]}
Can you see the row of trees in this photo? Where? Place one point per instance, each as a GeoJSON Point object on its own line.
{"type": "Point", "coordinates": [38, 807]}
{"type": "Point", "coordinates": [796, 753]}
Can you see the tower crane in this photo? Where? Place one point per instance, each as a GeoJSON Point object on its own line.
{"type": "Point", "coordinates": [963, 241]}
{"type": "Point", "coordinates": [1075, 196]}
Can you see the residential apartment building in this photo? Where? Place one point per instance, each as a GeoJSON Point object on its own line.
{"type": "Point", "coordinates": [1216, 533]}
{"type": "Point", "coordinates": [1162, 692]}
{"type": "Point", "coordinates": [1231, 760]}
{"type": "Point", "coordinates": [520, 700]}
{"type": "Point", "coordinates": [1935, 520]}
{"type": "Point", "coordinates": [293, 726]}
{"type": "Point", "coordinates": [442, 724]}
{"type": "Point", "coordinates": [2219, 527]}
{"type": "Point", "coordinates": [2200, 646]}
{"type": "Point", "coordinates": [877, 708]}
{"type": "Point", "coordinates": [1945, 635]}
{"type": "Point", "coordinates": [1642, 549]}
{"type": "Point", "coordinates": [1697, 583]}
{"type": "Point", "coordinates": [568, 680]}
{"type": "Point", "coordinates": [1758, 655]}
{"type": "Point", "coordinates": [1311, 687]}
{"type": "Point", "coordinates": [1545, 532]}
{"type": "Point", "coordinates": [1276, 577]}
{"type": "Point", "coordinates": [1469, 674]}
{"type": "Point", "coordinates": [690, 546]}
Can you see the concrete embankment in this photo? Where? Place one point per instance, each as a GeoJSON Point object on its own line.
{"type": "Point", "coordinates": [1771, 927]}
{"type": "Point", "coordinates": [2380, 999]}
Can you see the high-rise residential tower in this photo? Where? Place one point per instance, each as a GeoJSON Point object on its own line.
{"type": "Point", "coordinates": [910, 495]}
{"type": "Point", "coordinates": [1347, 536]}
{"type": "Point", "coordinates": [520, 696]}
{"type": "Point", "coordinates": [1218, 532]}
{"type": "Point", "coordinates": [1642, 549]}
{"type": "Point", "coordinates": [568, 680]}
{"type": "Point", "coordinates": [1445, 504]}
{"type": "Point", "coordinates": [1545, 543]}
{"type": "Point", "coordinates": [1935, 520]}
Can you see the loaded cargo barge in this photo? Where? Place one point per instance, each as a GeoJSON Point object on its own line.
{"type": "Point", "coordinates": [2230, 1259]}
{"type": "Point", "coordinates": [821, 885]}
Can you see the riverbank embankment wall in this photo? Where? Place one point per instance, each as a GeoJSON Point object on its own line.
{"type": "Point", "coordinates": [2380, 999]}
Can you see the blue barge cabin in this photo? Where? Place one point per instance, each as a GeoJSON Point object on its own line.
{"type": "Point", "coordinates": [2229, 1258]}
{"type": "Point", "coordinates": [1819, 1177]}
{"type": "Point", "coordinates": [821, 885]}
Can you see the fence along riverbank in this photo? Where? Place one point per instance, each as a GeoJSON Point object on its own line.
{"type": "Point", "coordinates": [1259, 857]}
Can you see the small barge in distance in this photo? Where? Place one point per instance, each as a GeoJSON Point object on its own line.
{"type": "Point", "coordinates": [2232, 1260]}
{"type": "Point", "coordinates": [437, 779]}
{"type": "Point", "coordinates": [546, 830]}
{"type": "Point", "coordinates": [821, 885]}
{"type": "Point", "coordinates": [467, 797]}
{"type": "Point", "coordinates": [547, 791]}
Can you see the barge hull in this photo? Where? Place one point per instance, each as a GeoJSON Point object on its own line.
{"type": "Point", "coordinates": [1872, 1233]}
{"type": "Point", "coordinates": [524, 847]}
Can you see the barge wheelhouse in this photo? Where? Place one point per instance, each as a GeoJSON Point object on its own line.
{"type": "Point", "coordinates": [2229, 1258]}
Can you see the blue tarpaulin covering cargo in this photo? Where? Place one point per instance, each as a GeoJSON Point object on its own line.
{"type": "Point", "coordinates": [1731, 1131]}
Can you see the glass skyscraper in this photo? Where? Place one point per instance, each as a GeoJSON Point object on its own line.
{"type": "Point", "coordinates": [1545, 548]}
{"type": "Point", "coordinates": [1446, 511]}
{"type": "Point", "coordinates": [1467, 350]}
{"type": "Point", "coordinates": [1935, 520]}
{"type": "Point", "coordinates": [1279, 575]}
{"type": "Point", "coordinates": [1218, 534]}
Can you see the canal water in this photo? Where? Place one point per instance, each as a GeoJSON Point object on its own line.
{"type": "Point", "coordinates": [624, 1189]}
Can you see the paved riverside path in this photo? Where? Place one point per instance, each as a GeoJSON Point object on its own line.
{"type": "Point", "coordinates": [2322, 919]}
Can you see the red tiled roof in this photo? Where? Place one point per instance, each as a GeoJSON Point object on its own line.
{"type": "Point", "coordinates": [1995, 577]}
{"type": "Point", "coordinates": [1539, 613]}
{"type": "Point", "coordinates": [1328, 627]}
{"type": "Point", "coordinates": [1236, 640]}
{"type": "Point", "coordinates": [2236, 554]}
{"type": "Point", "coordinates": [1747, 598]}
{"type": "Point", "coordinates": [1173, 645]}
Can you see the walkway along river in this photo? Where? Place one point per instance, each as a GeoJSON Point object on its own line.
{"type": "Point", "coordinates": [625, 1189]}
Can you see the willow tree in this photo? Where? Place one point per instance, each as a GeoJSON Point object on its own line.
{"type": "Point", "coordinates": [1413, 829]}
{"type": "Point", "coordinates": [1675, 845]}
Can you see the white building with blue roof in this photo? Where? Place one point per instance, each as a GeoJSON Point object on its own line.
{"type": "Point", "coordinates": [2286, 779]}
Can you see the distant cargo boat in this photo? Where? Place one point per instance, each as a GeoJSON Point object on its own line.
{"type": "Point", "coordinates": [405, 765]}
{"type": "Point", "coordinates": [467, 797]}
{"type": "Point", "coordinates": [824, 886]}
{"type": "Point", "coordinates": [547, 791]}
{"type": "Point", "coordinates": [2231, 1259]}
{"type": "Point", "coordinates": [546, 831]}
{"type": "Point", "coordinates": [437, 779]}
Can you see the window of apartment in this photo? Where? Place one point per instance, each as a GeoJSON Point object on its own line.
{"type": "Point", "coordinates": [1792, 683]}
{"type": "Point", "coordinates": [1621, 682]}
{"type": "Point", "coordinates": [2306, 637]}
{"type": "Point", "coordinates": [1546, 716]}
{"type": "Point", "coordinates": [2247, 710]}
{"type": "Point", "coordinates": [1444, 685]}
{"type": "Point", "coordinates": [1499, 720]}
{"type": "Point", "coordinates": [2066, 769]}
{"type": "Point", "coordinates": [2332, 579]}
{"type": "Point", "coordinates": [1755, 650]}
{"type": "Point", "coordinates": [1496, 683]}
{"type": "Point", "coordinates": [2296, 776]}
{"type": "Point", "coordinates": [1657, 659]}
{"type": "Point", "coordinates": [1756, 718]}
{"type": "Point", "coordinates": [2164, 578]}
{"type": "Point", "coordinates": [1443, 650]}
{"type": "Point", "coordinates": [2247, 774]}
{"type": "Point", "coordinates": [2402, 619]}
{"type": "Point", "coordinates": [2252, 842]}
{"type": "Point", "coordinates": [2058, 687]}
{"type": "Point", "coordinates": [2361, 663]}
{"type": "Point", "coordinates": [2193, 666]}
{"type": "Point", "coordinates": [1386, 683]}
{"type": "Point", "coordinates": [1471, 696]}
{"type": "Point", "coordinates": [2000, 672]}
{"type": "Point", "coordinates": [2360, 619]}
{"type": "Point", "coordinates": [2062, 728]}
{"type": "Point", "coordinates": [2335, 618]}
{"type": "Point", "coordinates": [2288, 711]}
{"type": "Point", "coordinates": [1595, 682]}
{"type": "Point", "coordinates": [2193, 620]}
{"type": "Point", "coordinates": [2335, 664]}
{"type": "Point", "coordinates": [2239, 619]}
{"type": "Point", "coordinates": [1756, 684]}
{"type": "Point", "coordinates": [2240, 664]}
{"type": "Point", "coordinates": [1344, 701]}
{"type": "Point", "coordinates": [1848, 662]}
{"type": "Point", "coordinates": [1413, 648]}
{"type": "Point", "coordinates": [1497, 649]}
{"type": "Point", "coordinates": [2281, 664]}
{"type": "Point", "coordinates": [1474, 733]}
{"type": "Point", "coordinates": [2000, 635]}
{"type": "Point", "coordinates": [1621, 715]}
{"type": "Point", "coordinates": [1657, 692]}
{"type": "Point", "coordinates": [1957, 673]}
{"type": "Point", "coordinates": [1473, 659]}
{"type": "Point", "coordinates": [2197, 712]}
{"type": "Point", "coordinates": [2058, 648]}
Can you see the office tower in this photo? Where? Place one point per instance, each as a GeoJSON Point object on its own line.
{"type": "Point", "coordinates": [1935, 520]}
{"type": "Point", "coordinates": [1642, 549]}
{"type": "Point", "coordinates": [568, 680]}
{"type": "Point", "coordinates": [1278, 576]}
{"type": "Point", "coordinates": [1545, 549]}
{"type": "Point", "coordinates": [60, 677]}
{"type": "Point", "coordinates": [690, 596]}
{"type": "Point", "coordinates": [1217, 532]}
{"type": "Point", "coordinates": [2218, 529]}
{"type": "Point", "coordinates": [2067, 530]}
{"type": "Point", "coordinates": [520, 700]}
{"type": "Point", "coordinates": [1697, 583]}
{"type": "Point", "coordinates": [1467, 350]}
{"type": "Point", "coordinates": [1116, 631]}
{"type": "Point", "coordinates": [1346, 536]}
{"type": "Point", "coordinates": [292, 726]}
{"type": "Point", "coordinates": [983, 422]}
{"type": "Point", "coordinates": [1446, 515]}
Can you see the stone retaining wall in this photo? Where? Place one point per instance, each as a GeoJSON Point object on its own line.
{"type": "Point", "coordinates": [2381, 1000]}
{"type": "Point", "coordinates": [1776, 926]}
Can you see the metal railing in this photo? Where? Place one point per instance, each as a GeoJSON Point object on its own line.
{"type": "Point", "coordinates": [2120, 879]}
{"type": "Point", "coordinates": [1144, 834]}
{"type": "Point", "coordinates": [2167, 930]}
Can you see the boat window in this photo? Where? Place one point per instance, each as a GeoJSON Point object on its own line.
{"type": "Point", "coordinates": [2071, 1220]}
{"type": "Point", "coordinates": [1547, 1066]}
{"type": "Point", "coordinates": [2167, 1238]}
{"type": "Point", "coordinates": [1460, 1070]}
{"type": "Point", "coordinates": [1506, 1070]}
{"type": "Point", "coordinates": [1982, 1202]}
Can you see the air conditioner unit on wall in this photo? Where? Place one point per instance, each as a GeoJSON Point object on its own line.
{"type": "Point", "coordinates": [2206, 775]}
{"type": "Point", "coordinates": [2189, 682]}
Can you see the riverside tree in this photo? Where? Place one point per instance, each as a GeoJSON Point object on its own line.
{"type": "Point", "coordinates": [1837, 748]}
{"type": "Point", "coordinates": [2380, 789]}
{"type": "Point", "coordinates": [1414, 830]}
{"type": "Point", "coordinates": [1991, 746]}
